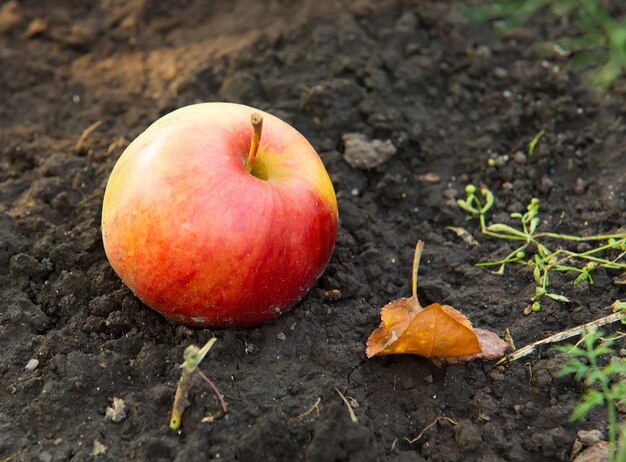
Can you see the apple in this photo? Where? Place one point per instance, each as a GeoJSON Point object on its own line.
{"type": "Point", "coordinates": [219, 215]}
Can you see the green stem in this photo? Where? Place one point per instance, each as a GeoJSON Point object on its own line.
{"type": "Point", "coordinates": [508, 259]}
{"type": "Point", "coordinates": [569, 237]}
{"type": "Point", "coordinates": [612, 423]}
{"type": "Point", "coordinates": [610, 406]}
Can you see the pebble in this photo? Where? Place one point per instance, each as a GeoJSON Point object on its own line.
{"type": "Point", "coordinates": [362, 153]}
{"type": "Point", "coordinates": [501, 161]}
{"type": "Point", "coordinates": [407, 22]}
{"type": "Point", "coordinates": [580, 186]}
{"type": "Point", "coordinates": [596, 453]}
{"type": "Point", "coordinates": [500, 73]}
{"type": "Point", "coordinates": [281, 336]}
{"type": "Point", "coordinates": [519, 157]}
{"type": "Point", "coordinates": [116, 411]}
{"type": "Point", "coordinates": [36, 27]}
{"type": "Point", "coordinates": [545, 185]}
{"type": "Point", "coordinates": [98, 448]}
{"type": "Point", "coordinates": [31, 365]}
{"type": "Point", "coordinates": [590, 437]}
{"type": "Point", "coordinates": [10, 16]}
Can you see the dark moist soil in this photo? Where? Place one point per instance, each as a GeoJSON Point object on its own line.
{"type": "Point", "coordinates": [448, 95]}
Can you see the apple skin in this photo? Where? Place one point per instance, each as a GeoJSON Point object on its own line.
{"type": "Point", "coordinates": [204, 242]}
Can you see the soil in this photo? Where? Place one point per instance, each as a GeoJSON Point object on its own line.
{"type": "Point", "coordinates": [450, 97]}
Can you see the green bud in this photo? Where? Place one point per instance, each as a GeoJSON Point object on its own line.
{"type": "Point", "coordinates": [470, 189]}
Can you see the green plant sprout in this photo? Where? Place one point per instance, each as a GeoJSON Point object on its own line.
{"type": "Point", "coordinates": [192, 356]}
{"type": "Point", "coordinates": [533, 143]}
{"type": "Point", "coordinates": [600, 42]}
{"type": "Point", "coordinates": [543, 260]}
{"type": "Point", "coordinates": [605, 386]}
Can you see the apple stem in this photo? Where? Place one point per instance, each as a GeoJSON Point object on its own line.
{"type": "Point", "coordinates": [257, 127]}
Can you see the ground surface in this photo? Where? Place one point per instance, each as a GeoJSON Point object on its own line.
{"type": "Point", "coordinates": [448, 95]}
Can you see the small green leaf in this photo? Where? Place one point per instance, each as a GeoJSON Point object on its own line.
{"type": "Point", "coordinates": [543, 250]}
{"type": "Point", "coordinates": [560, 298]}
{"type": "Point", "coordinates": [502, 228]}
{"type": "Point", "coordinates": [574, 366]}
{"type": "Point", "coordinates": [534, 141]}
{"type": "Point", "coordinates": [582, 277]}
{"type": "Point", "coordinates": [533, 224]}
{"type": "Point", "coordinates": [465, 206]}
{"type": "Point", "coordinates": [590, 400]}
{"type": "Point", "coordinates": [489, 199]}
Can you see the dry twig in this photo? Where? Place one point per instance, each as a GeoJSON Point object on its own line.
{"type": "Point", "coordinates": [429, 426]}
{"type": "Point", "coordinates": [85, 134]}
{"type": "Point", "coordinates": [560, 336]}
{"type": "Point", "coordinates": [315, 407]}
{"type": "Point", "coordinates": [350, 410]}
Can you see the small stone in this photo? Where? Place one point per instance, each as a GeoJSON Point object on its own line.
{"type": "Point", "coordinates": [354, 191]}
{"type": "Point", "coordinates": [429, 177]}
{"type": "Point", "coordinates": [280, 336]}
{"type": "Point", "coordinates": [45, 456]}
{"type": "Point", "coordinates": [362, 153]}
{"type": "Point", "coordinates": [546, 184]}
{"type": "Point", "coordinates": [10, 16]}
{"type": "Point", "coordinates": [519, 157]}
{"type": "Point", "coordinates": [580, 186]}
{"type": "Point", "coordinates": [98, 448]}
{"type": "Point", "coordinates": [596, 453]}
{"type": "Point", "coordinates": [332, 294]}
{"type": "Point", "coordinates": [407, 22]}
{"type": "Point", "coordinates": [500, 73]}
{"type": "Point", "coordinates": [117, 411]}
{"type": "Point", "coordinates": [412, 48]}
{"type": "Point", "coordinates": [36, 27]}
{"type": "Point", "coordinates": [590, 437]}
{"type": "Point", "coordinates": [483, 52]}
{"type": "Point", "coordinates": [31, 365]}
{"type": "Point", "coordinates": [408, 382]}
{"type": "Point", "coordinates": [500, 161]}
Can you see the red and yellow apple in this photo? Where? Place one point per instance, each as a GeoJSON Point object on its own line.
{"type": "Point", "coordinates": [219, 215]}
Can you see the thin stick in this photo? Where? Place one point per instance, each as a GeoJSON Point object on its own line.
{"type": "Point", "coordinates": [180, 399]}
{"type": "Point", "coordinates": [528, 349]}
{"type": "Point", "coordinates": [257, 127]}
{"type": "Point", "coordinates": [85, 134]}
{"type": "Point", "coordinates": [429, 426]}
{"type": "Point", "coordinates": [350, 410]}
{"type": "Point", "coordinates": [416, 264]}
{"type": "Point", "coordinates": [218, 393]}
{"type": "Point", "coordinates": [309, 411]}
{"type": "Point", "coordinates": [13, 455]}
